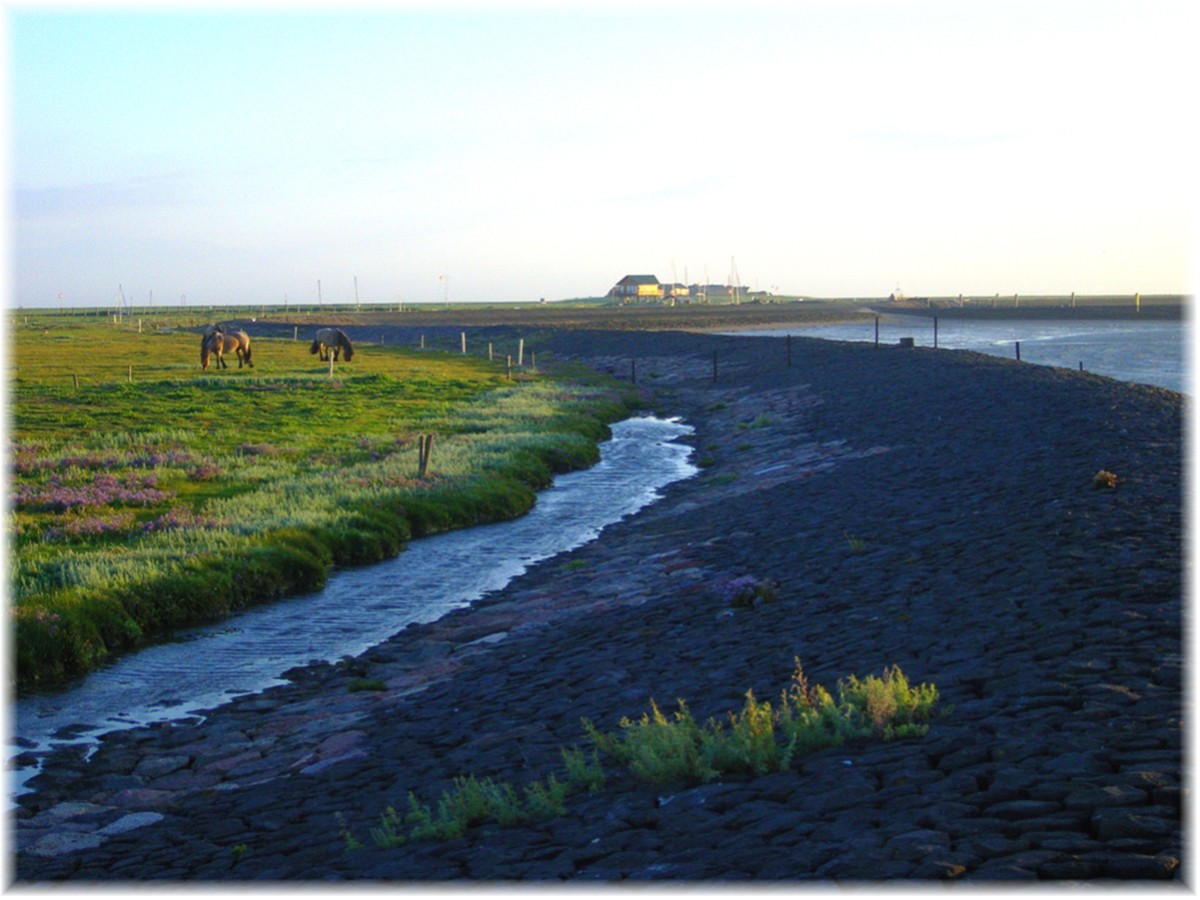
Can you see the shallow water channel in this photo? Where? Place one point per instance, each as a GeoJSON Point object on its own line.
{"type": "Point", "coordinates": [357, 609]}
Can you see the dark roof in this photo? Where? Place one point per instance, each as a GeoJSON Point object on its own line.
{"type": "Point", "coordinates": [638, 279]}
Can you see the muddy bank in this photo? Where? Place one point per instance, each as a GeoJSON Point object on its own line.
{"type": "Point", "coordinates": [932, 510]}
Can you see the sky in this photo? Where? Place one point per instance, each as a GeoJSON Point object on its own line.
{"type": "Point", "coordinates": [510, 152]}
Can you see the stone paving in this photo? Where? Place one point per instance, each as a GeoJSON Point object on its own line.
{"type": "Point", "coordinates": [932, 510]}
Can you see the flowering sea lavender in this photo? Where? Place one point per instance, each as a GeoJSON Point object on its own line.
{"type": "Point", "coordinates": [205, 471]}
{"type": "Point", "coordinates": [152, 458]}
{"type": "Point", "coordinates": [104, 490]}
{"type": "Point", "coordinates": [90, 526]}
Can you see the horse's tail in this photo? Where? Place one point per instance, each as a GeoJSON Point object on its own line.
{"type": "Point", "coordinates": [249, 361]}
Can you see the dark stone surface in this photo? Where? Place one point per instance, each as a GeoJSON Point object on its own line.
{"type": "Point", "coordinates": [1048, 614]}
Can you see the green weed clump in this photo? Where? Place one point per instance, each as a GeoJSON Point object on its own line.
{"type": "Point", "coordinates": [760, 739]}
{"type": "Point", "coordinates": [671, 750]}
{"type": "Point", "coordinates": [475, 801]}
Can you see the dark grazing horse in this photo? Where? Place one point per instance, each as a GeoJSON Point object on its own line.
{"type": "Point", "coordinates": [217, 343]}
{"type": "Point", "coordinates": [332, 340]}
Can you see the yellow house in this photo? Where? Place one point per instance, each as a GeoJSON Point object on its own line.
{"type": "Point", "coordinates": [644, 287]}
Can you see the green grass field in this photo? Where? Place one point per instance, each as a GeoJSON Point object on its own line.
{"type": "Point", "coordinates": [147, 495]}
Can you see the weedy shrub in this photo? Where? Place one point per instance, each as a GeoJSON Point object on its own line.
{"type": "Point", "coordinates": [759, 739]}
{"type": "Point", "coordinates": [1104, 479]}
{"type": "Point", "coordinates": [475, 801]}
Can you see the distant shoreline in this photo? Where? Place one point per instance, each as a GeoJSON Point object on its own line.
{"type": "Point", "coordinates": [696, 317]}
{"type": "Point", "coordinates": [1156, 312]}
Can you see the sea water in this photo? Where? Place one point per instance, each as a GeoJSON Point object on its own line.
{"type": "Point", "coordinates": [1152, 352]}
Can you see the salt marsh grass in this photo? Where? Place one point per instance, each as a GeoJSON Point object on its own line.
{"type": "Point", "coordinates": [146, 503]}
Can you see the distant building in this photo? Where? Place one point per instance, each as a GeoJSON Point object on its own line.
{"type": "Point", "coordinates": [718, 292]}
{"type": "Point", "coordinates": [646, 287]}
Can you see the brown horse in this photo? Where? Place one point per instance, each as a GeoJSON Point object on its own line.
{"type": "Point", "coordinates": [332, 340]}
{"type": "Point", "coordinates": [217, 343]}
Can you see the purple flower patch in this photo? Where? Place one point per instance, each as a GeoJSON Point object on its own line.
{"type": "Point", "coordinates": [90, 526]}
{"type": "Point", "coordinates": [205, 471]}
{"type": "Point", "coordinates": [104, 490]}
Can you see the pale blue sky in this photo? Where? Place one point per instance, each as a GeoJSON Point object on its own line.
{"type": "Point", "coordinates": [831, 149]}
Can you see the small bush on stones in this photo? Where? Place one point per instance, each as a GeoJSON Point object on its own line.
{"type": "Point", "coordinates": [474, 801]}
{"type": "Point", "coordinates": [667, 750]}
{"type": "Point", "coordinates": [761, 739]}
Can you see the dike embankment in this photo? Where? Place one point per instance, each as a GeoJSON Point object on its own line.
{"type": "Point", "coordinates": [933, 510]}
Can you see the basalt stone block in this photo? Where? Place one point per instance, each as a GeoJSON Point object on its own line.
{"type": "Point", "coordinates": [1023, 809]}
{"type": "Point", "coordinates": [60, 843]}
{"type": "Point", "coordinates": [1110, 795]}
{"type": "Point", "coordinates": [917, 845]}
{"type": "Point", "coordinates": [130, 822]}
{"type": "Point", "coordinates": [1134, 866]}
{"type": "Point", "coordinates": [159, 766]}
{"type": "Point", "coordinates": [1108, 824]}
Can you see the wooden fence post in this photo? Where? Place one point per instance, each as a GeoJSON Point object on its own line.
{"type": "Point", "coordinates": [521, 353]}
{"type": "Point", "coordinates": [1018, 351]}
{"type": "Point", "coordinates": [463, 337]}
{"type": "Point", "coordinates": [424, 452]}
